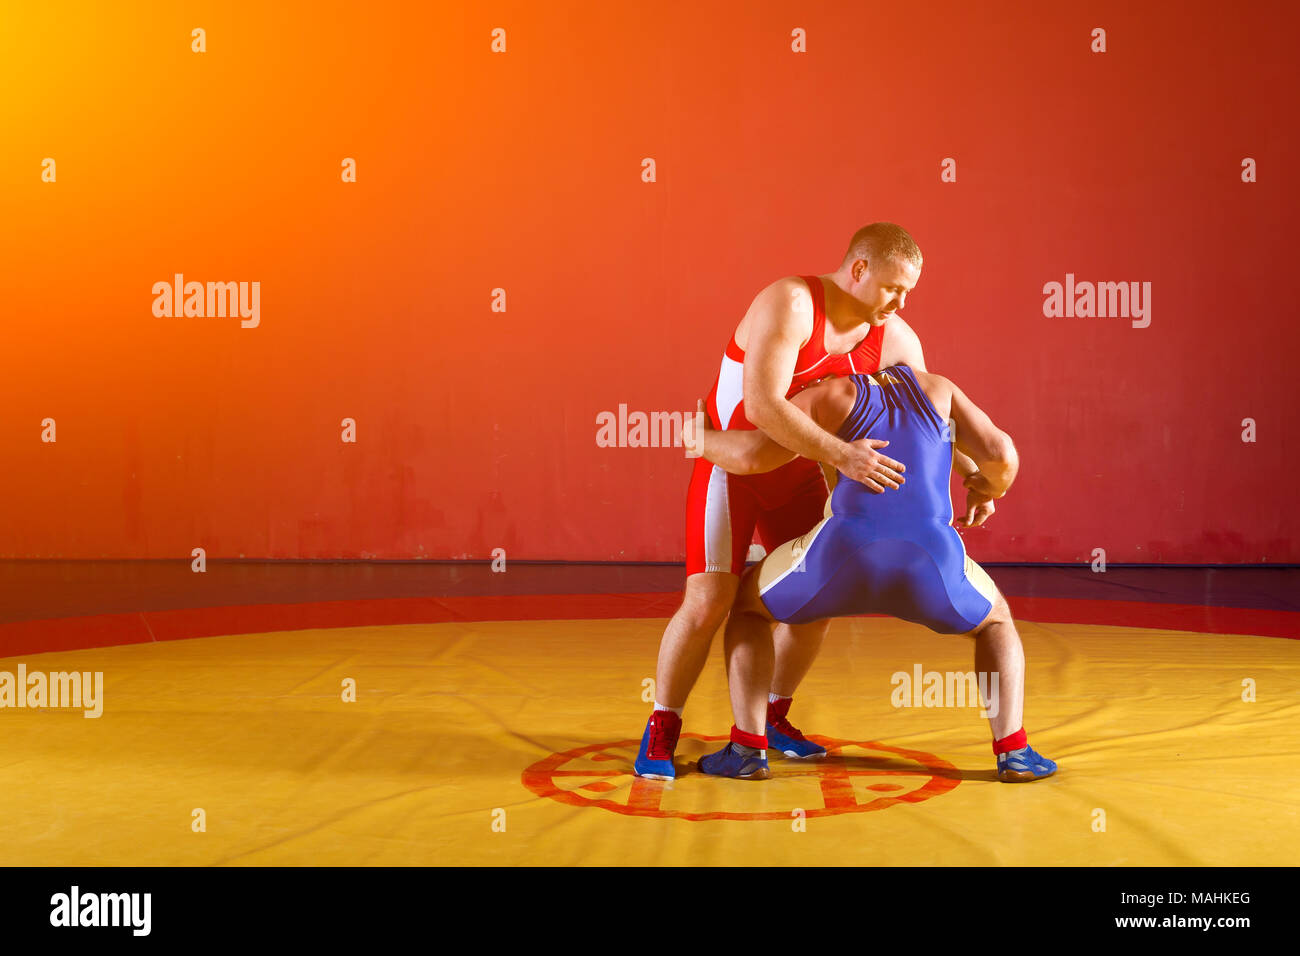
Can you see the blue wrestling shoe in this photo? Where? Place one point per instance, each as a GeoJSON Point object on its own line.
{"type": "Point", "coordinates": [1023, 765]}
{"type": "Point", "coordinates": [728, 763]}
{"type": "Point", "coordinates": [658, 743]}
{"type": "Point", "coordinates": [786, 737]}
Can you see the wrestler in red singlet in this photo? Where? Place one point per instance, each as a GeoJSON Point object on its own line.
{"type": "Point", "coordinates": [723, 510]}
{"type": "Point", "coordinates": [881, 266]}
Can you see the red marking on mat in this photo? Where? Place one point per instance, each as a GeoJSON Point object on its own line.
{"type": "Point", "coordinates": [830, 778]}
{"type": "Point", "coordinates": [837, 788]}
{"type": "Point", "coordinates": [644, 797]}
{"type": "Point", "coordinates": [105, 630]}
{"type": "Point", "coordinates": [1163, 617]}
{"type": "Point", "coordinates": [590, 773]}
{"type": "Point", "coordinates": [600, 786]}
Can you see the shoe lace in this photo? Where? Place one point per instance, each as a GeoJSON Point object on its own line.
{"type": "Point", "coordinates": [782, 723]}
{"type": "Point", "coordinates": [662, 740]}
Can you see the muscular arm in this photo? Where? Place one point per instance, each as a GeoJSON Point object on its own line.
{"type": "Point", "coordinates": [751, 452]}
{"type": "Point", "coordinates": [777, 331]}
{"type": "Point", "coordinates": [741, 451]}
{"type": "Point", "coordinates": [903, 347]}
{"type": "Point", "coordinates": [991, 448]}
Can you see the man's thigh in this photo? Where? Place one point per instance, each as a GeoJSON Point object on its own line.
{"type": "Point", "coordinates": [796, 573]}
{"type": "Point", "coordinates": [720, 517]}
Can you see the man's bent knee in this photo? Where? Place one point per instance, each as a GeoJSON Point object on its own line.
{"type": "Point", "coordinates": [1000, 613]}
{"type": "Point", "coordinates": [708, 599]}
{"type": "Point", "coordinates": [747, 599]}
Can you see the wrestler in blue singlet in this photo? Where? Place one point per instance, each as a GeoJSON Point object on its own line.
{"type": "Point", "coordinates": [894, 553]}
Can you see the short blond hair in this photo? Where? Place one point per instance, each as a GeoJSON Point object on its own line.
{"type": "Point", "coordinates": [883, 242]}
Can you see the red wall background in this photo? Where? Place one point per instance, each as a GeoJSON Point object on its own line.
{"type": "Point", "coordinates": [522, 170]}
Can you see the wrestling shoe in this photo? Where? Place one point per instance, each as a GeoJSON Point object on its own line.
{"type": "Point", "coordinates": [728, 763]}
{"type": "Point", "coordinates": [658, 743]}
{"type": "Point", "coordinates": [786, 737]}
{"type": "Point", "coordinates": [1024, 765]}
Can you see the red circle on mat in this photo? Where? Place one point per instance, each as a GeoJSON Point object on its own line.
{"type": "Point", "coordinates": [833, 776]}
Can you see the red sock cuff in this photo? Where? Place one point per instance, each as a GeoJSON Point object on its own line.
{"type": "Point", "coordinates": [1013, 742]}
{"type": "Point", "coordinates": [757, 741]}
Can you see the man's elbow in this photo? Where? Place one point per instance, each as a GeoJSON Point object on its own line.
{"type": "Point", "coordinates": [1002, 450]}
{"type": "Point", "coordinates": [1004, 460]}
{"type": "Point", "coordinates": [747, 465]}
{"type": "Point", "coordinates": [736, 456]}
{"type": "Point", "coordinates": [760, 459]}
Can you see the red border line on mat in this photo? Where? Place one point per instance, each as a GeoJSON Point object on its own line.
{"type": "Point", "coordinates": [106, 630]}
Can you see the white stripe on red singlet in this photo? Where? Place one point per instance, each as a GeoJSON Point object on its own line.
{"type": "Point", "coordinates": [717, 522]}
{"type": "Point", "coordinates": [731, 390]}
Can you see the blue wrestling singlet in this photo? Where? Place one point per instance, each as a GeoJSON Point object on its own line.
{"type": "Point", "coordinates": [894, 553]}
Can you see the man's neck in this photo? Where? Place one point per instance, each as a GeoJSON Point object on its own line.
{"type": "Point", "coordinates": [843, 311]}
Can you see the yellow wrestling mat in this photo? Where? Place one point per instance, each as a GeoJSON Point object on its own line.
{"type": "Point", "coordinates": [512, 743]}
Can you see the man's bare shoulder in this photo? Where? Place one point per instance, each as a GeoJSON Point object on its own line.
{"type": "Point", "coordinates": [829, 401]}
{"type": "Point", "coordinates": [937, 388]}
{"type": "Point", "coordinates": [787, 302]}
{"type": "Point", "coordinates": [901, 345]}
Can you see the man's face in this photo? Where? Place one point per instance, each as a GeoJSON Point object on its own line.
{"type": "Point", "coordinates": [884, 286]}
